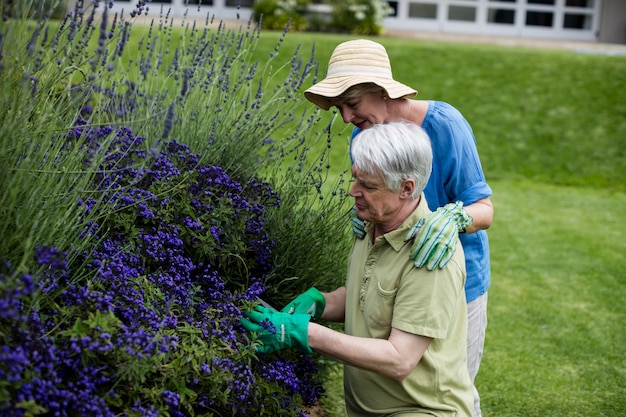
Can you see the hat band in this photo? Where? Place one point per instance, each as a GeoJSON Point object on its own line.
{"type": "Point", "coordinates": [337, 70]}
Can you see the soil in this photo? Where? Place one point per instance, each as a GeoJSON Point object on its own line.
{"type": "Point", "coordinates": [316, 411]}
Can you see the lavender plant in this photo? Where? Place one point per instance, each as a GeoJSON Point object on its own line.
{"type": "Point", "coordinates": [155, 327]}
{"type": "Point", "coordinates": [146, 201]}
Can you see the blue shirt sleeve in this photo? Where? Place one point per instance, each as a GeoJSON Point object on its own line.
{"type": "Point", "coordinates": [458, 176]}
{"type": "Point", "coordinates": [457, 172]}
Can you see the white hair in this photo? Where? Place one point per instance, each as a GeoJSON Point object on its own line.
{"type": "Point", "coordinates": [396, 151]}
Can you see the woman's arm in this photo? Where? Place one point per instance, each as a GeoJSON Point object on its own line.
{"type": "Point", "coordinates": [482, 215]}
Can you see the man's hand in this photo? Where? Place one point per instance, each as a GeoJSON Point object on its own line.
{"type": "Point", "coordinates": [276, 330]}
{"type": "Point", "coordinates": [311, 302]}
{"type": "Point", "coordinates": [436, 235]}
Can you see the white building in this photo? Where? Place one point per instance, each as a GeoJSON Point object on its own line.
{"type": "Point", "coordinates": [576, 20]}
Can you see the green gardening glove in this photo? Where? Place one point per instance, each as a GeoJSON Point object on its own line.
{"type": "Point", "coordinates": [358, 225]}
{"type": "Point", "coordinates": [311, 302]}
{"type": "Point", "coordinates": [436, 235]}
{"type": "Point", "coordinates": [276, 331]}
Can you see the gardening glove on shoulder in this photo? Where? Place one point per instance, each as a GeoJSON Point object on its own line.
{"type": "Point", "coordinates": [276, 331]}
{"type": "Point", "coordinates": [310, 302]}
{"type": "Point", "coordinates": [436, 235]}
{"type": "Point", "coordinates": [358, 225]}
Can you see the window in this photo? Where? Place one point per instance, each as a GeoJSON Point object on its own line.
{"type": "Point", "coordinates": [462, 13]}
{"type": "Point", "coordinates": [200, 2]}
{"type": "Point", "coordinates": [579, 3]}
{"type": "Point", "coordinates": [504, 16]}
{"type": "Point", "coordinates": [242, 3]}
{"type": "Point", "coordinates": [423, 11]}
{"type": "Point", "coordinates": [549, 2]}
{"type": "Point", "coordinates": [577, 21]}
{"type": "Point", "coordinates": [394, 7]}
{"type": "Point", "coordinates": [539, 19]}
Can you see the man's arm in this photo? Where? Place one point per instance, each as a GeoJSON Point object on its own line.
{"type": "Point", "coordinates": [395, 357]}
{"type": "Point", "coordinates": [335, 309]}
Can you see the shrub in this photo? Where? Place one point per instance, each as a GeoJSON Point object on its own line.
{"type": "Point", "coordinates": [361, 17]}
{"type": "Point", "coordinates": [146, 206]}
{"type": "Point", "coordinates": [155, 327]}
{"type": "Point", "coordinates": [278, 14]}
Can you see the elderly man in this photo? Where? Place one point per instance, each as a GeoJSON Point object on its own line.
{"type": "Point", "coordinates": [404, 344]}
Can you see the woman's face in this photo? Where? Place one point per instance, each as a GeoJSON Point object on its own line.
{"type": "Point", "coordinates": [364, 111]}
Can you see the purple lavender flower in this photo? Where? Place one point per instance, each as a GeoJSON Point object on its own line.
{"type": "Point", "coordinates": [163, 262]}
{"type": "Point", "coordinates": [146, 319]}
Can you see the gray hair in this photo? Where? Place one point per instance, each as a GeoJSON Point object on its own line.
{"type": "Point", "coordinates": [396, 151]}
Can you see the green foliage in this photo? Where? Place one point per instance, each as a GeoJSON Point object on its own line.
{"type": "Point", "coordinates": [279, 14]}
{"type": "Point", "coordinates": [363, 17]}
{"type": "Point", "coordinates": [56, 8]}
{"type": "Point", "coordinates": [41, 179]}
{"type": "Point", "coordinates": [35, 9]}
{"type": "Point", "coordinates": [359, 17]}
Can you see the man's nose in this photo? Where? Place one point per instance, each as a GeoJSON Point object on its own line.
{"type": "Point", "coordinates": [353, 191]}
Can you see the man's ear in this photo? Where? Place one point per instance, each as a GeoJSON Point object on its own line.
{"type": "Point", "coordinates": [407, 188]}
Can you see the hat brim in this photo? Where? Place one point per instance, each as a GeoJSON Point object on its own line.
{"type": "Point", "coordinates": [323, 92]}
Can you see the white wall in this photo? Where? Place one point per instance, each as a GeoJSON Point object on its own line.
{"type": "Point", "coordinates": [602, 20]}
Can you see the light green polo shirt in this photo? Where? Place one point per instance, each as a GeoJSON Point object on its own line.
{"type": "Point", "coordinates": [385, 290]}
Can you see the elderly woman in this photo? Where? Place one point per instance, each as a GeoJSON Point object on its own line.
{"type": "Point", "coordinates": [405, 327]}
{"type": "Point", "coordinates": [361, 86]}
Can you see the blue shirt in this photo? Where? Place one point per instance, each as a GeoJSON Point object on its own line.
{"type": "Point", "coordinates": [457, 175]}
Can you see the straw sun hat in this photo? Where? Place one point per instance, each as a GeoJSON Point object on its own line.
{"type": "Point", "coordinates": [356, 62]}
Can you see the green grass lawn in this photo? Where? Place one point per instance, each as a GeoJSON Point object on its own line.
{"type": "Point", "coordinates": [551, 131]}
{"type": "Point", "coordinates": [555, 341]}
